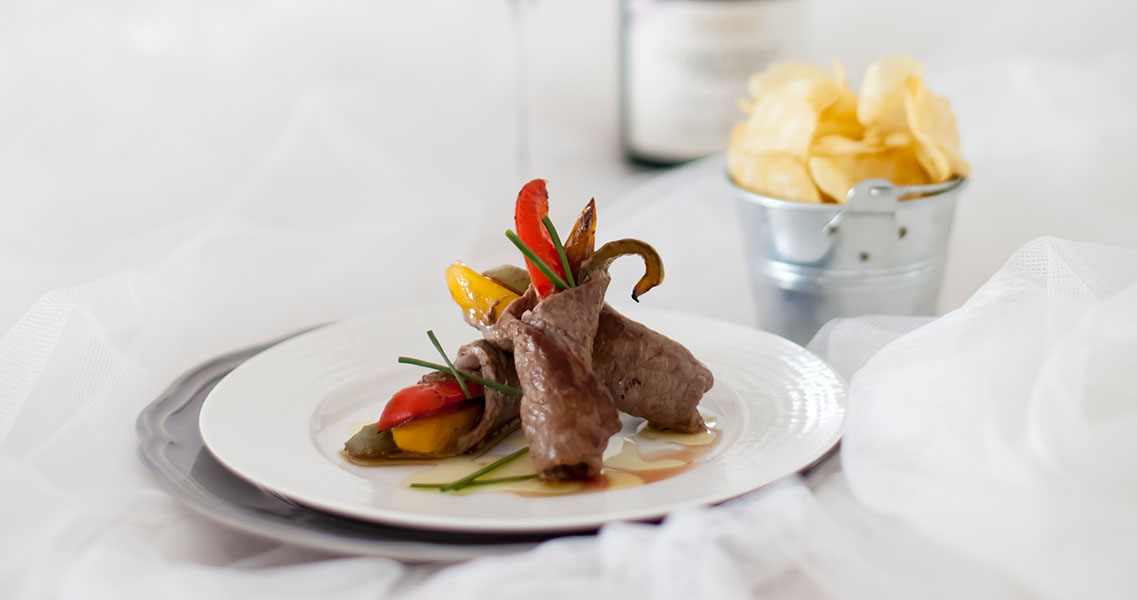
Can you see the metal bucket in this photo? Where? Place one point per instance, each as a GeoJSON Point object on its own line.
{"type": "Point", "coordinates": [882, 252]}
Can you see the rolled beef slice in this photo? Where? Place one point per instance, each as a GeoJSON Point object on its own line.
{"type": "Point", "coordinates": [567, 414]}
{"type": "Point", "coordinates": [648, 374]}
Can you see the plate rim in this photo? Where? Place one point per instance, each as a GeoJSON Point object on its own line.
{"type": "Point", "coordinates": [494, 525]}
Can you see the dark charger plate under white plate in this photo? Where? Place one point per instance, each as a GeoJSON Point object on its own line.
{"type": "Point", "coordinates": [170, 446]}
{"type": "Point", "coordinates": [782, 408]}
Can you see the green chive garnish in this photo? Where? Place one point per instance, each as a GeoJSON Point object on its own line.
{"type": "Point", "coordinates": [536, 260]}
{"type": "Point", "coordinates": [455, 372]}
{"type": "Point", "coordinates": [497, 464]}
{"type": "Point", "coordinates": [501, 387]}
{"type": "Point", "coordinates": [560, 249]}
{"type": "Point", "coordinates": [479, 481]}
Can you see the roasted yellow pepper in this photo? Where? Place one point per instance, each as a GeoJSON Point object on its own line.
{"type": "Point", "coordinates": [431, 434]}
{"type": "Point", "coordinates": [481, 298]}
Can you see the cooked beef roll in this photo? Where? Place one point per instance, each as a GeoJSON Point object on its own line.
{"type": "Point", "coordinates": [567, 414]}
{"type": "Point", "coordinates": [648, 374]}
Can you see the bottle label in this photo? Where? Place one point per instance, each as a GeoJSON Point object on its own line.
{"type": "Point", "coordinates": [686, 65]}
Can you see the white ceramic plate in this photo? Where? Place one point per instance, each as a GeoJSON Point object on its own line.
{"type": "Point", "coordinates": [280, 420]}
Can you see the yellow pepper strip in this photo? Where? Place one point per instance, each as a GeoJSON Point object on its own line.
{"type": "Point", "coordinates": [431, 434]}
{"type": "Point", "coordinates": [481, 298]}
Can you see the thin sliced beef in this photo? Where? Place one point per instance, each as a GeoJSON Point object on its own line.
{"type": "Point", "coordinates": [571, 315]}
{"type": "Point", "coordinates": [566, 413]}
{"type": "Point", "coordinates": [648, 374]}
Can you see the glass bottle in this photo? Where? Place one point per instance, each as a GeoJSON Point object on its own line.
{"type": "Point", "coordinates": [684, 66]}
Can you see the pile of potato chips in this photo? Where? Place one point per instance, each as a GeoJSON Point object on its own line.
{"type": "Point", "coordinates": [809, 138]}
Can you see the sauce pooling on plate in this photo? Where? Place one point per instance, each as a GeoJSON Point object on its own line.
{"type": "Point", "coordinates": [635, 458]}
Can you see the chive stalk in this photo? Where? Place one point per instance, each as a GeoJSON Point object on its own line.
{"type": "Point", "coordinates": [495, 465]}
{"type": "Point", "coordinates": [478, 482]}
{"type": "Point", "coordinates": [560, 249]}
{"type": "Point", "coordinates": [455, 372]}
{"type": "Point", "coordinates": [501, 387]}
{"type": "Point", "coordinates": [536, 260]}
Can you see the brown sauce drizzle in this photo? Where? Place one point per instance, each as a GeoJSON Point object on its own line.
{"type": "Point", "coordinates": [687, 455]}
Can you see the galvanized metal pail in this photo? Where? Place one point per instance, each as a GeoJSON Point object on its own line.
{"type": "Point", "coordinates": [882, 252]}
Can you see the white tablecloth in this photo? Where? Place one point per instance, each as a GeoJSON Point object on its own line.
{"type": "Point", "coordinates": [181, 179]}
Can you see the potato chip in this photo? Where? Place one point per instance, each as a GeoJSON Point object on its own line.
{"type": "Point", "coordinates": [780, 73]}
{"type": "Point", "coordinates": [837, 174]}
{"type": "Point", "coordinates": [781, 123]}
{"type": "Point", "coordinates": [881, 106]}
{"type": "Point", "coordinates": [828, 175]}
{"type": "Point", "coordinates": [840, 75]}
{"type": "Point", "coordinates": [774, 175]}
{"type": "Point", "coordinates": [839, 144]}
{"type": "Point", "coordinates": [840, 118]}
{"type": "Point", "coordinates": [808, 137]}
{"type": "Point", "coordinates": [896, 139]}
{"type": "Point", "coordinates": [798, 79]}
{"type": "Point", "coordinates": [933, 130]}
{"type": "Point", "coordinates": [833, 102]}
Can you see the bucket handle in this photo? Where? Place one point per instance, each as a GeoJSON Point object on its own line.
{"type": "Point", "coordinates": [880, 197]}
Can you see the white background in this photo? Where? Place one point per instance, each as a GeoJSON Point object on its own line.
{"type": "Point", "coordinates": [119, 122]}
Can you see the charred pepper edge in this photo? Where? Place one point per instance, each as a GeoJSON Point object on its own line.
{"type": "Point", "coordinates": [581, 241]}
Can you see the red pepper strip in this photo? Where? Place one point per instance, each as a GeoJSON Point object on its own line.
{"type": "Point", "coordinates": [423, 399]}
{"type": "Point", "coordinates": [532, 206]}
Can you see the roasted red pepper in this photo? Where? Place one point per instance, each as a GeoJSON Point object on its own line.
{"type": "Point", "coordinates": [532, 206]}
{"type": "Point", "coordinates": [422, 400]}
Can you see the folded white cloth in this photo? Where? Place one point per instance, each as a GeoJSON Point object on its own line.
{"type": "Point", "coordinates": [1007, 429]}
